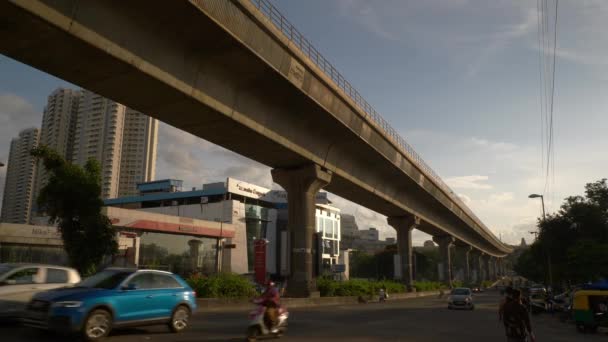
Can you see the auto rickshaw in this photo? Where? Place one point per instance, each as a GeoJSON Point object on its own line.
{"type": "Point", "coordinates": [589, 309]}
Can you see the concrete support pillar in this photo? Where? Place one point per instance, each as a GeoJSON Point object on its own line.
{"type": "Point", "coordinates": [494, 270]}
{"type": "Point", "coordinates": [499, 273]}
{"type": "Point", "coordinates": [301, 184]}
{"type": "Point", "coordinates": [486, 267]}
{"type": "Point", "coordinates": [445, 243]}
{"type": "Point", "coordinates": [474, 256]}
{"type": "Point", "coordinates": [467, 265]}
{"type": "Point", "coordinates": [404, 226]}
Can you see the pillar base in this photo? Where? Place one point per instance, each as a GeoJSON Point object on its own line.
{"type": "Point", "coordinates": [302, 185]}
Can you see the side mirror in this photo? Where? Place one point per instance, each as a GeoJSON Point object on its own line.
{"type": "Point", "coordinates": [130, 287]}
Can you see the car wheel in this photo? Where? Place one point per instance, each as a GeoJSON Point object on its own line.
{"type": "Point", "coordinates": [97, 325]}
{"type": "Point", "coordinates": [179, 319]}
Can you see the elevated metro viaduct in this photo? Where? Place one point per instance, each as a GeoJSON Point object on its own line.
{"type": "Point", "coordinates": [236, 73]}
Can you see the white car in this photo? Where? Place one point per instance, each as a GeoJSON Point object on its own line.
{"type": "Point", "coordinates": [461, 298]}
{"type": "Point", "coordinates": [20, 282]}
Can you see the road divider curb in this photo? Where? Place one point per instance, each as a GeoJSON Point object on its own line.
{"type": "Point", "coordinates": [221, 304]}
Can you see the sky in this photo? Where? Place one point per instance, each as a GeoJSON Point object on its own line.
{"type": "Point", "coordinates": [458, 79]}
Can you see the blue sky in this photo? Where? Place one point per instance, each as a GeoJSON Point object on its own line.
{"type": "Point", "coordinates": [459, 79]}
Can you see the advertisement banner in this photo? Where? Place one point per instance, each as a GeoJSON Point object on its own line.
{"type": "Point", "coordinates": [259, 261]}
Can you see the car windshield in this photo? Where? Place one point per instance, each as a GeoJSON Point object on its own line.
{"type": "Point", "coordinates": [5, 268]}
{"type": "Point", "coordinates": [461, 292]}
{"type": "Point", "coordinates": [105, 280]}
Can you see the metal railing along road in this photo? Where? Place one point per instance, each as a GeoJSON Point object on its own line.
{"type": "Point", "coordinates": [281, 23]}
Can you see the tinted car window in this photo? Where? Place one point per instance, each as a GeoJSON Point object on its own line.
{"type": "Point", "coordinates": [461, 292]}
{"type": "Point", "coordinates": [105, 280]}
{"type": "Point", "coordinates": [56, 276]}
{"type": "Point", "coordinates": [24, 276]}
{"type": "Point", "coordinates": [167, 281]}
{"type": "Point", "coordinates": [145, 281]}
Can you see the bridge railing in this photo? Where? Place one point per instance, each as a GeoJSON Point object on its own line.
{"type": "Point", "coordinates": [289, 30]}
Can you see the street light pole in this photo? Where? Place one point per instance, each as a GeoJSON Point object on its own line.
{"type": "Point", "coordinates": [542, 200]}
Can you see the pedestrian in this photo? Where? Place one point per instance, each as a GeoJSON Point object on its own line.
{"type": "Point", "coordinates": [508, 297]}
{"type": "Point", "coordinates": [517, 320]}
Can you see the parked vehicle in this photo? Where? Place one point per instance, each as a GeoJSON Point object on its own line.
{"type": "Point", "coordinates": [461, 298]}
{"type": "Point", "coordinates": [115, 297]}
{"type": "Point", "coordinates": [20, 282]}
{"type": "Point", "coordinates": [258, 327]}
{"type": "Point", "coordinates": [590, 309]}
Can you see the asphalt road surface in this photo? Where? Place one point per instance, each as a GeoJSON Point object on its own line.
{"type": "Point", "coordinates": [419, 319]}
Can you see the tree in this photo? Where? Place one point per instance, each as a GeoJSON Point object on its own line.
{"type": "Point", "coordinates": [72, 198]}
{"type": "Point", "coordinates": [574, 240]}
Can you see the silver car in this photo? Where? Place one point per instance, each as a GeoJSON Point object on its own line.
{"type": "Point", "coordinates": [461, 298]}
{"type": "Point", "coordinates": [20, 282]}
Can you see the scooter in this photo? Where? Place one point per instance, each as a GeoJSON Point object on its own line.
{"type": "Point", "coordinates": [257, 325]}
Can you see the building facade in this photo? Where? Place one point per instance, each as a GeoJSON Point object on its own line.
{"type": "Point", "coordinates": [98, 135]}
{"type": "Point", "coordinates": [57, 131]}
{"type": "Point", "coordinates": [138, 155]}
{"type": "Point", "coordinates": [255, 213]}
{"type": "Point", "coordinates": [121, 139]}
{"type": "Point", "coordinates": [20, 175]}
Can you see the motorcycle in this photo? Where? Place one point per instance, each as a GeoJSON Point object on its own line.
{"type": "Point", "coordinates": [259, 328]}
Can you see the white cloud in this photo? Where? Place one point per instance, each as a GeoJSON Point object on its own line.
{"type": "Point", "coordinates": [502, 197]}
{"type": "Point", "coordinates": [494, 145]}
{"type": "Point", "coordinates": [468, 182]}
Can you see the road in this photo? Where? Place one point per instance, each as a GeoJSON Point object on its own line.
{"type": "Point", "coordinates": [420, 320]}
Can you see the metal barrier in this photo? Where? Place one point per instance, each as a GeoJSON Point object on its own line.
{"type": "Point", "coordinates": [280, 22]}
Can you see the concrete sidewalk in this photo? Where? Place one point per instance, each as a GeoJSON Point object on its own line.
{"type": "Point", "coordinates": [221, 305]}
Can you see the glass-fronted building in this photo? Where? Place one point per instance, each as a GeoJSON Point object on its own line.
{"type": "Point", "coordinates": [255, 212]}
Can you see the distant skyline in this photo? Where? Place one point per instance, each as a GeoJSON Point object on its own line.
{"type": "Point", "coordinates": [458, 79]}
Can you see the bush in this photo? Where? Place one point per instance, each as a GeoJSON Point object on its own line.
{"type": "Point", "coordinates": [223, 285]}
{"type": "Point", "coordinates": [427, 286]}
{"type": "Point", "coordinates": [486, 283]}
{"type": "Point", "coordinates": [356, 287]}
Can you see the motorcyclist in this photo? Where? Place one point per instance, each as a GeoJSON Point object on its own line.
{"type": "Point", "coordinates": [270, 299]}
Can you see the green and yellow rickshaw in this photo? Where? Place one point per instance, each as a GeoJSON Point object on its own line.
{"type": "Point", "coordinates": [590, 309]}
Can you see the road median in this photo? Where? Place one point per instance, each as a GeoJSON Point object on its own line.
{"type": "Point", "coordinates": [221, 304]}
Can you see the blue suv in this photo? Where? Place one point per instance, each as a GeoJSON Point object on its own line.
{"type": "Point", "coordinates": [115, 297]}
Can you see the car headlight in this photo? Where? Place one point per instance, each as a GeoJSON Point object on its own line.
{"type": "Point", "coordinates": [67, 304]}
{"type": "Point", "coordinates": [467, 299]}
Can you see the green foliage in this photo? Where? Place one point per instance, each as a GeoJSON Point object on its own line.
{"type": "Point", "coordinates": [426, 263]}
{"type": "Point", "coordinates": [356, 287]}
{"type": "Point", "coordinates": [427, 286]}
{"type": "Point", "coordinates": [458, 283]}
{"type": "Point", "coordinates": [574, 240]}
{"type": "Point", "coordinates": [377, 266]}
{"type": "Point", "coordinates": [72, 198]}
{"type": "Point", "coordinates": [223, 285]}
{"type": "Point", "coordinates": [486, 283]}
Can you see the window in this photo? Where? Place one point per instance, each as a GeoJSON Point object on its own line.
{"type": "Point", "coordinates": [144, 281]}
{"type": "Point", "coordinates": [56, 276]}
{"type": "Point", "coordinates": [24, 276]}
{"type": "Point", "coordinates": [167, 281]}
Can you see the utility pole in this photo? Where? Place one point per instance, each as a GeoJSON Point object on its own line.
{"type": "Point", "coordinates": [547, 253]}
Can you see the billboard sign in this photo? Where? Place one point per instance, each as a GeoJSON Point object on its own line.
{"type": "Point", "coordinates": [238, 187]}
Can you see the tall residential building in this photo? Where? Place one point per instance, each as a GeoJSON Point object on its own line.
{"type": "Point", "coordinates": [138, 160]}
{"type": "Point", "coordinates": [98, 135]}
{"type": "Point", "coordinates": [121, 139]}
{"type": "Point", "coordinates": [20, 174]}
{"type": "Point", "coordinates": [57, 130]}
